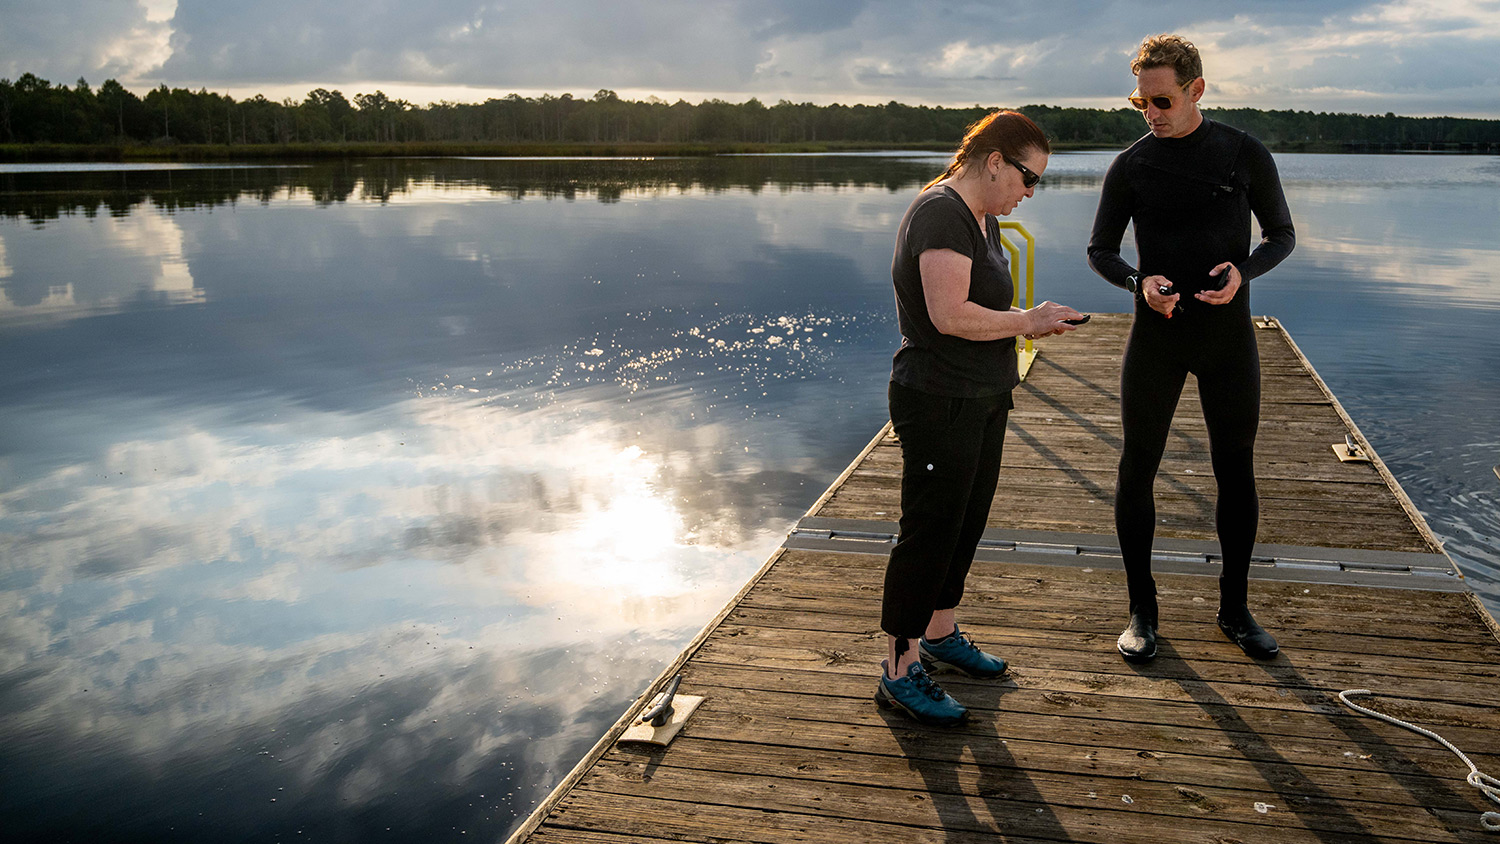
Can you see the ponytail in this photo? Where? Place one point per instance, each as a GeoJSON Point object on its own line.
{"type": "Point", "coordinates": [1010, 133]}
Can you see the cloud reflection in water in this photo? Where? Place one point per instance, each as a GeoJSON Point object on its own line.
{"type": "Point", "coordinates": [255, 595]}
{"type": "Point", "coordinates": [147, 267]}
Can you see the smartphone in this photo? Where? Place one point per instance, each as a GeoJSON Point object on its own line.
{"type": "Point", "coordinates": [1080, 321]}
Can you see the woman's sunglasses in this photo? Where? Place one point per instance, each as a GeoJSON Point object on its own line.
{"type": "Point", "coordinates": [1162, 103]}
{"type": "Point", "coordinates": [1029, 179]}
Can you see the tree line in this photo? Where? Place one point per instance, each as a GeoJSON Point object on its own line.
{"type": "Point", "coordinates": [34, 111]}
{"type": "Point", "coordinates": [38, 196]}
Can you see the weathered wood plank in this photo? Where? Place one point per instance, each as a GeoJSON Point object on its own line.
{"type": "Point", "coordinates": [1169, 726]}
{"type": "Point", "coordinates": [996, 588]}
{"type": "Point", "coordinates": [1090, 762]}
{"type": "Point", "coordinates": [876, 787]}
{"type": "Point", "coordinates": [1093, 630]}
{"type": "Point", "coordinates": [713, 824]}
{"type": "Point", "coordinates": [1323, 669]}
{"type": "Point", "coordinates": [1168, 676]}
{"type": "Point", "coordinates": [562, 835]}
{"type": "Point", "coordinates": [957, 821]}
{"type": "Point", "coordinates": [984, 612]}
{"type": "Point", "coordinates": [1098, 577]}
{"type": "Point", "coordinates": [1354, 758]}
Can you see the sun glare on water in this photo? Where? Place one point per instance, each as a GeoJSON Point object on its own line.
{"type": "Point", "coordinates": [625, 542]}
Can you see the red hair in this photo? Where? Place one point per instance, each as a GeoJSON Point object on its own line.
{"type": "Point", "coordinates": [1010, 133]}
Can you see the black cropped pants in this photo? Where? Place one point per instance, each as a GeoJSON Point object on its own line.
{"type": "Point", "coordinates": [1220, 350]}
{"type": "Point", "coordinates": [950, 463]}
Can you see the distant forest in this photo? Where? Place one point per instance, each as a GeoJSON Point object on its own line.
{"type": "Point", "coordinates": [34, 111]}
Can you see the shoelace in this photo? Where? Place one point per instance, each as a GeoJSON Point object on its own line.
{"type": "Point", "coordinates": [963, 641]}
{"type": "Point", "coordinates": [924, 683]}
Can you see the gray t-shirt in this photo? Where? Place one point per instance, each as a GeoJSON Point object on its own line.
{"type": "Point", "coordinates": [929, 360]}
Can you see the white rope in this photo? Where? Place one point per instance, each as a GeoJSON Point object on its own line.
{"type": "Point", "coordinates": [1480, 780]}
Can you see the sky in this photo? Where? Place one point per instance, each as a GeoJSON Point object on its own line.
{"type": "Point", "coordinates": [1413, 57]}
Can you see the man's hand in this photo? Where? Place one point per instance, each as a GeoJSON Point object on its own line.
{"type": "Point", "coordinates": [1163, 304]}
{"type": "Point", "coordinates": [1225, 293]}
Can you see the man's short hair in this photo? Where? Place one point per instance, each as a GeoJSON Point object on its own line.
{"type": "Point", "coordinates": [1172, 51]}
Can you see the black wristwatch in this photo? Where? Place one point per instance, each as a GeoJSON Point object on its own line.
{"type": "Point", "coordinates": [1133, 282]}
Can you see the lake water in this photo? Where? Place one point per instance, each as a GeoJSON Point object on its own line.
{"type": "Point", "coordinates": [353, 502]}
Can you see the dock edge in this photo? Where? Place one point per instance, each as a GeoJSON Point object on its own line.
{"type": "Point", "coordinates": [602, 746]}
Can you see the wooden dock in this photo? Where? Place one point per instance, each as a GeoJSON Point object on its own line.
{"type": "Point", "coordinates": [1201, 745]}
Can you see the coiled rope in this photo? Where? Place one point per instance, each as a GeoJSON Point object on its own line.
{"type": "Point", "coordinates": [1477, 778]}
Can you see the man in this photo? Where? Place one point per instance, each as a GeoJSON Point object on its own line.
{"type": "Point", "coordinates": [1189, 186]}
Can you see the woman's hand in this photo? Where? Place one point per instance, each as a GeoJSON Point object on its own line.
{"type": "Point", "coordinates": [1047, 318]}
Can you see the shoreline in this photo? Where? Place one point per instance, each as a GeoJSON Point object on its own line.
{"type": "Point", "coordinates": [28, 153]}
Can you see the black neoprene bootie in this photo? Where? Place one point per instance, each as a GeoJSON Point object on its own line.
{"type": "Point", "coordinates": [1237, 622]}
{"type": "Point", "coordinates": [1241, 628]}
{"type": "Point", "coordinates": [1138, 642]}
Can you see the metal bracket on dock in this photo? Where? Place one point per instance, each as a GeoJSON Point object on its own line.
{"type": "Point", "coordinates": [1348, 566]}
{"type": "Point", "coordinates": [1350, 451]}
{"type": "Point", "coordinates": [663, 718]}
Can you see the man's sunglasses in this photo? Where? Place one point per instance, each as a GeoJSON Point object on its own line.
{"type": "Point", "coordinates": [1162, 103]}
{"type": "Point", "coordinates": [1029, 179]}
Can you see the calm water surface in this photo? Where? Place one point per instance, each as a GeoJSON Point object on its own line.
{"type": "Point", "coordinates": [353, 502]}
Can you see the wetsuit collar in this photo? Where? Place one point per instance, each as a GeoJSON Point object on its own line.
{"type": "Point", "coordinates": [1189, 140]}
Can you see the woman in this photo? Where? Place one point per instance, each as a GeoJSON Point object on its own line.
{"type": "Point", "coordinates": [949, 399]}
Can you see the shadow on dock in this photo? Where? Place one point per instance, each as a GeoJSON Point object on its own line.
{"type": "Point", "coordinates": [940, 756]}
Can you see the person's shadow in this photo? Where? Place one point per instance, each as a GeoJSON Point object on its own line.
{"type": "Point", "coordinates": [986, 792]}
{"type": "Point", "coordinates": [1321, 814]}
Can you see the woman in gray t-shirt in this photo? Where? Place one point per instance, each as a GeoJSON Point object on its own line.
{"type": "Point", "coordinates": [949, 399]}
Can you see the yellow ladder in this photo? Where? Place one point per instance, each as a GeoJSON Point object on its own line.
{"type": "Point", "coordinates": [1025, 351]}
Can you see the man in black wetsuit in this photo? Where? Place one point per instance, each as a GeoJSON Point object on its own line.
{"type": "Point", "coordinates": [1190, 187]}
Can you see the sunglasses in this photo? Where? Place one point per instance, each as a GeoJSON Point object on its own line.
{"type": "Point", "coordinates": [1029, 179]}
{"type": "Point", "coordinates": [1162, 103]}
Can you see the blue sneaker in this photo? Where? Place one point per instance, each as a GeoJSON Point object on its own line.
{"type": "Point", "coordinates": [918, 696]}
{"type": "Point", "coordinates": [957, 652]}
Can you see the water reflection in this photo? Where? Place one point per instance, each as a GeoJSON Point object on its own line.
{"type": "Point", "coordinates": [376, 490]}
{"type": "Point", "coordinates": [390, 516]}
{"type": "Point", "coordinates": [41, 195]}
{"type": "Point", "coordinates": [449, 596]}
{"type": "Point", "coordinates": [47, 279]}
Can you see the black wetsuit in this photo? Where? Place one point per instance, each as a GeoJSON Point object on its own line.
{"type": "Point", "coordinates": [1190, 199]}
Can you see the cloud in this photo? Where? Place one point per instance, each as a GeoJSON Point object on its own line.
{"type": "Point", "coordinates": [1408, 56]}
{"type": "Point", "coordinates": [62, 41]}
{"type": "Point", "coordinates": [1343, 55]}
{"type": "Point", "coordinates": [526, 44]}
